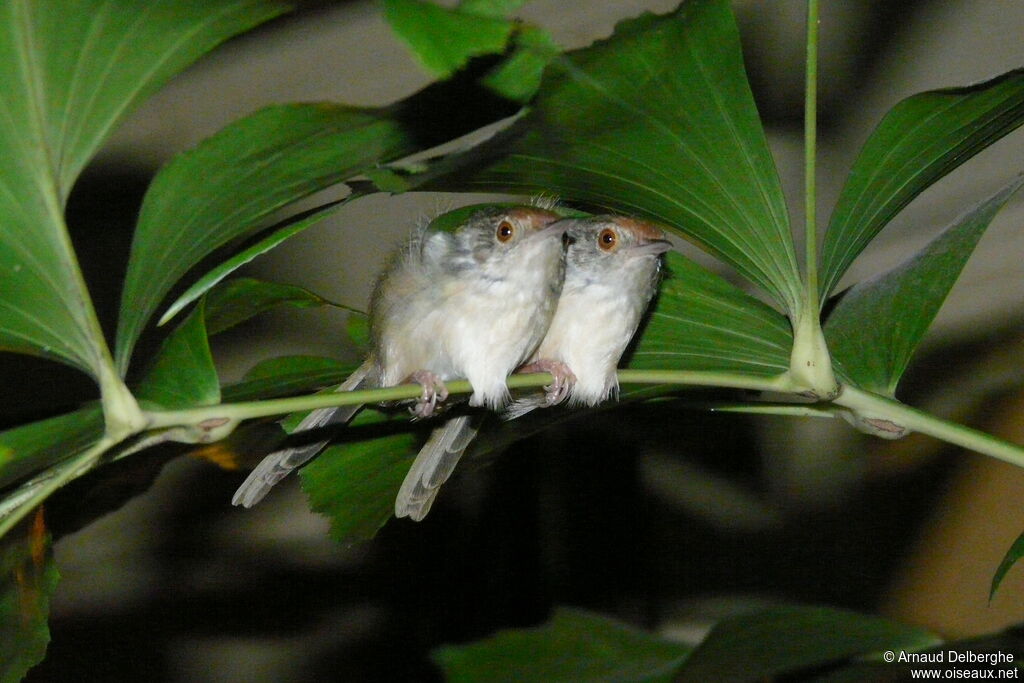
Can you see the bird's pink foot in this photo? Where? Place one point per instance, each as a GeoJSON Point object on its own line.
{"type": "Point", "coordinates": [434, 391]}
{"type": "Point", "coordinates": [562, 382]}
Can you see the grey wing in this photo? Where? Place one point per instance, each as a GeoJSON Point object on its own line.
{"type": "Point", "coordinates": [433, 465]}
{"type": "Point", "coordinates": [279, 464]}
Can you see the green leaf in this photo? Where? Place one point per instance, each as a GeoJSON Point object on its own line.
{"type": "Point", "coordinates": [275, 237]}
{"type": "Point", "coordinates": [354, 484]}
{"type": "Point", "coordinates": [877, 324]}
{"type": "Point", "coordinates": [287, 375]}
{"type": "Point", "coordinates": [70, 71]}
{"type": "Point", "coordinates": [223, 189]}
{"type": "Point", "coordinates": [183, 374]}
{"type": "Point", "coordinates": [573, 646]}
{"type": "Point", "coordinates": [1015, 552]}
{"type": "Point", "coordinates": [657, 121]}
{"type": "Point", "coordinates": [919, 141]}
{"type": "Point", "coordinates": [791, 639]}
{"type": "Point", "coordinates": [28, 577]}
{"type": "Point", "coordinates": [519, 76]}
{"type": "Point", "coordinates": [491, 8]}
{"type": "Point", "coordinates": [94, 60]}
{"type": "Point", "coordinates": [701, 322]}
{"type": "Point", "coordinates": [358, 328]}
{"type": "Point", "coordinates": [21, 500]}
{"type": "Point", "coordinates": [38, 445]}
{"type": "Point", "coordinates": [445, 39]}
{"type": "Point", "coordinates": [238, 300]}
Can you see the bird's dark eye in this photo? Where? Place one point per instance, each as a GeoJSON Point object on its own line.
{"type": "Point", "coordinates": [505, 231]}
{"type": "Point", "coordinates": [607, 239]}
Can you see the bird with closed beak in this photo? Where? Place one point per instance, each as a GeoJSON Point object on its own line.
{"type": "Point", "coordinates": [470, 303]}
{"type": "Point", "coordinates": [611, 274]}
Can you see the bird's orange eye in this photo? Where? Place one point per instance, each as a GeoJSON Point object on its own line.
{"type": "Point", "coordinates": [505, 231]}
{"type": "Point", "coordinates": [607, 239]}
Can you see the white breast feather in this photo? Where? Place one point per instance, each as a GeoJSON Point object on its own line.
{"type": "Point", "coordinates": [590, 330]}
{"type": "Point", "coordinates": [479, 328]}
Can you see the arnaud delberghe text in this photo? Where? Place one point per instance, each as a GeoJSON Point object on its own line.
{"type": "Point", "coordinates": [954, 657]}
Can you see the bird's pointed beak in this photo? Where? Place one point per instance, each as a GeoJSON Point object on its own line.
{"type": "Point", "coordinates": [551, 228]}
{"type": "Point", "coordinates": [650, 248]}
{"type": "Point", "coordinates": [556, 227]}
{"type": "Point", "coordinates": [650, 238]}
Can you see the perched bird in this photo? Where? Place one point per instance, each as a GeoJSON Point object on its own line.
{"type": "Point", "coordinates": [611, 273]}
{"type": "Point", "coordinates": [472, 303]}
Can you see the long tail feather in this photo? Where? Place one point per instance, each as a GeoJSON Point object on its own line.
{"type": "Point", "coordinates": [433, 465]}
{"type": "Point", "coordinates": [279, 464]}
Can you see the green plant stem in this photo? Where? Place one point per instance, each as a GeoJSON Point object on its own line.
{"type": "Point", "coordinates": [35, 491]}
{"type": "Point", "coordinates": [871, 405]}
{"type": "Point", "coordinates": [810, 364]}
{"type": "Point", "coordinates": [280, 406]}
{"type": "Point", "coordinates": [777, 409]}
{"type": "Point", "coordinates": [810, 154]}
{"type": "Point", "coordinates": [863, 404]}
{"type": "Point", "coordinates": [121, 411]}
{"type": "Point", "coordinates": [706, 379]}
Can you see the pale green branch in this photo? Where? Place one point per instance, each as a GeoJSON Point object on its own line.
{"type": "Point", "coordinates": [213, 422]}
{"type": "Point", "coordinates": [810, 364]}
{"type": "Point", "coordinates": [875, 407]}
{"type": "Point", "coordinates": [810, 153]}
{"type": "Point", "coordinates": [33, 492]}
{"type": "Point", "coordinates": [777, 409]}
{"type": "Point", "coordinates": [236, 412]}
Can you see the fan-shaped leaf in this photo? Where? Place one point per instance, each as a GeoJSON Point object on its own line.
{"type": "Point", "coordinates": [701, 322]}
{"type": "Point", "coordinates": [69, 72]}
{"type": "Point", "coordinates": [877, 325]}
{"type": "Point", "coordinates": [920, 140]}
{"type": "Point", "coordinates": [656, 121]}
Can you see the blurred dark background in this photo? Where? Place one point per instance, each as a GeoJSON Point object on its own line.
{"type": "Point", "coordinates": [659, 515]}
